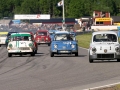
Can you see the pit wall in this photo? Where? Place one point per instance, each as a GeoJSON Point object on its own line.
{"type": "Point", "coordinates": [103, 28]}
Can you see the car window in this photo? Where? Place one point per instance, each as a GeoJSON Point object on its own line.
{"type": "Point", "coordinates": [42, 33]}
{"type": "Point", "coordinates": [105, 38]}
{"type": "Point", "coordinates": [21, 38]}
{"type": "Point", "coordinates": [64, 37]}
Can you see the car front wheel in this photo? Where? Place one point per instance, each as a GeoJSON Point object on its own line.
{"type": "Point", "coordinates": [118, 60]}
{"type": "Point", "coordinates": [9, 55]}
{"type": "Point", "coordinates": [90, 60]}
{"type": "Point", "coordinates": [51, 54]}
{"type": "Point", "coordinates": [76, 54]}
{"type": "Point", "coordinates": [33, 54]}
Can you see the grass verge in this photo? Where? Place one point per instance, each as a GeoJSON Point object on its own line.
{"type": "Point", "coordinates": [84, 40]}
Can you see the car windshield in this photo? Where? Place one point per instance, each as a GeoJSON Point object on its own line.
{"type": "Point", "coordinates": [21, 38]}
{"type": "Point", "coordinates": [105, 38]}
{"type": "Point", "coordinates": [42, 33]}
{"type": "Point", "coordinates": [60, 37]}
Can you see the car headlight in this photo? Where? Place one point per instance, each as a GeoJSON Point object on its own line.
{"type": "Point", "coordinates": [10, 45]}
{"type": "Point", "coordinates": [30, 44]}
{"type": "Point", "coordinates": [46, 38]}
{"type": "Point", "coordinates": [94, 49]}
{"type": "Point", "coordinates": [55, 45]}
{"type": "Point", "coordinates": [73, 46]}
{"type": "Point", "coordinates": [117, 49]}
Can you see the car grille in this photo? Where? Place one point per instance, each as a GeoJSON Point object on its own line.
{"type": "Point", "coordinates": [42, 39]}
{"type": "Point", "coordinates": [24, 48]}
{"type": "Point", "coordinates": [105, 56]}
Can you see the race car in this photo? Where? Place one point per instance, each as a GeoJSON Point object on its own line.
{"type": "Point", "coordinates": [21, 44]}
{"type": "Point", "coordinates": [3, 36]}
{"type": "Point", "coordinates": [33, 39]}
{"type": "Point", "coordinates": [43, 37]}
{"type": "Point", "coordinates": [64, 42]}
{"type": "Point", "coordinates": [104, 45]}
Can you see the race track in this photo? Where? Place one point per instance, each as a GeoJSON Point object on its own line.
{"type": "Point", "coordinates": [62, 72]}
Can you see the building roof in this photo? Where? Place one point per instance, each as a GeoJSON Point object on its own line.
{"type": "Point", "coordinates": [116, 18]}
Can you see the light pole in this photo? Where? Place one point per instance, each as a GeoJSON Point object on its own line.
{"type": "Point", "coordinates": [63, 21]}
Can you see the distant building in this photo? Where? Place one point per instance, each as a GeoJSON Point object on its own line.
{"type": "Point", "coordinates": [102, 18]}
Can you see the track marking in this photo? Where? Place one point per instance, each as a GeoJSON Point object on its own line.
{"type": "Point", "coordinates": [99, 87]}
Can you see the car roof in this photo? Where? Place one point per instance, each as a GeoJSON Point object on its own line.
{"type": "Point", "coordinates": [42, 31]}
{"type": "Point", "coordinates": [20, 34]}
{"type": "Point", "coordinates": [62, 32]}
{"type": "Point", "coordinates": [103, 32]}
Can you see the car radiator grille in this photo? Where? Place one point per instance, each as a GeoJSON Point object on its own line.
{"type": "Point", "coordinates": [21, 48]}
{"type": "Point", "coordinates": [24, 48]}
{"type": "Point", "coordinates": [42, 39]}
{"type": "Point", "coordinates": [105, 55]}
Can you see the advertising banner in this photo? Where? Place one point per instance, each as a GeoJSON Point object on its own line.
{"type": "Point", "coordinates": [103, 19]}
{"type": "Point", "coordinates": [31, 16]}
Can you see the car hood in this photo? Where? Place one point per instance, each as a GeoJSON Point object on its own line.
{"type": "Point", "coordinates": [105, 45]}
{"type": "Point", "coordinates": [64, 42]}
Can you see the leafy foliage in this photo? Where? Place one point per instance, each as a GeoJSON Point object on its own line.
{"type": "Point", "coordinates": [73, 8]}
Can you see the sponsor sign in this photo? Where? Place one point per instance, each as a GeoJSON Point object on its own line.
{"type": "Point", "coordinates": [31, 16]}
{"type": "Point", "coordinates": [16, 21]}
{"type": "Point", "coordinates": [103, 19]}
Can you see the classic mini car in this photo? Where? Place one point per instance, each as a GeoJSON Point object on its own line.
{"type": "Point", "coordinates": [42, 37]}
{"type": "Point", "coordinates": [21, 43]}
{"type": "Point", "coordinates": [33, 39]}
{"type": "Point", "coordinates": [104, 46]}
{"type": "Point", "coordinates": [3, 36]}
{"type": "Point", "coordinates": [64, 43]}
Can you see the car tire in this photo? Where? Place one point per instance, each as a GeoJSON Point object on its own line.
{"type": "Point", "coordinates": [49, 44]}
{"type": "Point", "coordinates": [35, 51]}
{"type": "Point", "coordinates": [33, 54]}
{"type": "Point", "coordinates": [51, 54]}
{"type": "Point", "coordinates": [76, 54]}
{"type": "Point", "coordinates": [9, 54]}
{"type": "Point", "coordinates": [90, 60]}
{"type": "Point", "coordinates": [118, 60]}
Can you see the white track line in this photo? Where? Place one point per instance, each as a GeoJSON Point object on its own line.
{"type": "Point", "coordinates": [83, 48]}
{"type": "Point", "coordinates": [109, 85]}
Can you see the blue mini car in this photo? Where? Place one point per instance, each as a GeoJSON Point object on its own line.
{"type": "Point", "coordinates": [64, 42]}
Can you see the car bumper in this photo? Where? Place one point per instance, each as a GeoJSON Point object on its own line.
{"type": "Point", "coordinates": [64, 51]}
{"type": "Point", "coordinates": [105, 56]}
{"type": "Point", "coordinates": [20, 51]}
{"type": "Point", "coordinates": [43, 42]}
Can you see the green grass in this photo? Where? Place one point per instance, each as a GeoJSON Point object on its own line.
{"type": "Point", "coordinates": [84, 40]}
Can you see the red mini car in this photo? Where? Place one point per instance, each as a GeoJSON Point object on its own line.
{"type": "Point", "coordinates": [35, 43]}
{"type": "Point", "coordinates": [42, 37]}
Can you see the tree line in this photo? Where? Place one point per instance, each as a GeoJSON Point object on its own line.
{"type": "Point", "coordinates": [73, 8]}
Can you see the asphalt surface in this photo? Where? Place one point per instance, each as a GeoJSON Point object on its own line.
{"type": "Point", "coordinates": [62, 72]}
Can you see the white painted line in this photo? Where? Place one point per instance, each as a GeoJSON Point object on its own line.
{"type": "Point", "coordinates": [83, 48]}
{"type": "Point", "coordinates": [109, 85]}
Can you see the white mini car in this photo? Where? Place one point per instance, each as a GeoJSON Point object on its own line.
{"type": "Point", "coordinates": [21, 43]}
{"type": "Point", "coordinates": [104, 46]}
{"type": "Point", "coordinates": [3, 37]}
